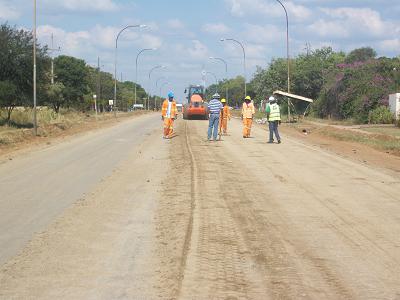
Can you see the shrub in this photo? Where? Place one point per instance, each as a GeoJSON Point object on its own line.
{"type": "Point", "coordinates": [381, 115]}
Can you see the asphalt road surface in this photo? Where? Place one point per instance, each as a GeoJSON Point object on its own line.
{"type": "Point", "coordinates": [38, 187]}
{"type": "Point", "coordinates": [191, 219]}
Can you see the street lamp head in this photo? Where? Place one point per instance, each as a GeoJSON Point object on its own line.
{"type": "Point", "coordinates": [222, 40]}
{"type": "Point", "coordinates": [142, 25]}
{"type": "Point", "coordinates": [211, 57]}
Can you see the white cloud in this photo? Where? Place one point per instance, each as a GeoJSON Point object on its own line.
{"type": "Point", "coordinates": [150, 40]}
{"type": "Point", "coordinates": [298, 12]}
{"type": "Point", "coordinates": [242, 8]}
{"type": "Point", "coordinates": [197, 51]}
{"type": "Point", "coordinates": [364, 19]}
{"type": "Point", "coordinates": [332, 29]}
{"type": "Point", "coordinates": [351, 27]}
{"type": "Point", "coordinates": [90, 42]}
{"type": "Point", "coordinates": [175, 24]}
{"type": "Point", "coordinates": [83, 5]}
{"type": "Point", "coordinates": [216, 28]}
{"type": "Point", "coordinates": [8, 11]}
{"type": "Point", "coordinates": [263, 34]}
{"type": "Point", "coordinates": [255, 51]}
{"type": "Point", "coordinates": [71, 43]}
{"type": "Point", "coordinates": [392, 45]}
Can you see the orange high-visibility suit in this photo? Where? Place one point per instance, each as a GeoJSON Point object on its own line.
{"type": "Point", "coordinates": [224, 117]}
{"type": "Point", "coordinates": [247, 114]}
{"type": "Point", "coordinates": [169, 113]}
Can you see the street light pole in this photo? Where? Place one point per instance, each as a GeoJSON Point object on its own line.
{"type": "Point", "coordinates": [226, 73]}
{"type": "Point", "coordinates": [244, 61]}
{"type": "Point", "coordinates": [115, 62]}
{"type": "Point", "coordinates": [216, 80]}
{"type": "Point", "coordinates": [287, 54]}
{"type": "Point", "coordinates": [148, 94]}
{"type": "Point", "coordinates": [34, 69]}
{"type": "Point", "coordinates": [136, 70]}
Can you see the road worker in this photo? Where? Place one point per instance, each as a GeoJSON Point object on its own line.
{"type": "Point", "coordinates": [248, 112]}
{"type": "Point", "coordinates": [169, 114]}
{"type": "Point", "coordinates": [225, 116]}
{"type": "Point", "coordinates": [274, 119]}
{"type": "Point", "coordinates": [214, 107]}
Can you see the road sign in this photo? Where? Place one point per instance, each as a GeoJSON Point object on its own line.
{"type": "Point", "coordinates": [111, 102]}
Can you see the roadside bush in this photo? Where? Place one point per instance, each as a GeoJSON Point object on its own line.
{"type": "Point", "coordinates": [381, 115]}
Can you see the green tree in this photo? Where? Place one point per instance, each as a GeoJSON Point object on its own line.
{"type": "Point", "coordinates": [73, 74]}
{"type": "Point", "coordinates": [360, 55]}
{"type": "Point", "coordinates": [235, 89]}
{"type": "Point", "coordinates": [55, 95]}
{"type": "Point", "coordinates": [8, 96]}
{"type": "Point", "coordinates": [16, 68]}
{"type": "Point", "coordinates": [358, 88]}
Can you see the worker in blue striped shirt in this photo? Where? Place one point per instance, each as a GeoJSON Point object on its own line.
{"type": "Point", "coordinates": [214, 107]}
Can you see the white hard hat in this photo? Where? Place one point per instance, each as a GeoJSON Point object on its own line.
{"type": "Point", "coordinates": [272, 98]}
{"type": "Point", "coordinates": [216, 96]}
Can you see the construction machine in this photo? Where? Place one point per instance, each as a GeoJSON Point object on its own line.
{"type": "Point", "coordinates": [196, 107]}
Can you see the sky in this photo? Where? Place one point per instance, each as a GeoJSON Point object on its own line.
{"type": "Point", "coordinates": [185, 34]}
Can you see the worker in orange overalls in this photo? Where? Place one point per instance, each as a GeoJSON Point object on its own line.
{"type": "Point", "coordinates": [169, 114]}
{"type": "Point", "coordinates": [248, 112]}
{"type": "Point", "coordinates": [225, 116]}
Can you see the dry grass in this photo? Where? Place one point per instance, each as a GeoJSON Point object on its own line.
{"type": "Point", "coordinates": [382, 142]}
{"type": "Point", "coordinates": [390, 131]}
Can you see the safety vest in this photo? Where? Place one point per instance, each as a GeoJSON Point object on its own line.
{"type": "Point", "coordinates": [248, 110]}
{"type": "Point", "coordinates": [225, 112]}
{"type": "Point", "coordinates": [275, 113]}
{"type": "Point", "coordinates": [174, 111]}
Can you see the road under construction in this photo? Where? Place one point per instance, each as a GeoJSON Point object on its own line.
{"type": "Point", "coordinates": [120, 213]}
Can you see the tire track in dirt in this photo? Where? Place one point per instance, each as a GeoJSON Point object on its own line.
{"type": "Point", "coordinates": [298, 198]}
{"type": "Point", "coordinates": [193, 193]}
{"type": "Point", "coordinates": [250, 223]}
{"type": "Point", "coordinates": [218, 262]}
{"type": "Point", "coordinates": [175, 214]}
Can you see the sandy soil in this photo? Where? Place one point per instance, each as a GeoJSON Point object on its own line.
{"type": "Point", "coordinates": [362, 153]}
{"type": "Point", "coordinates": [235, 219]}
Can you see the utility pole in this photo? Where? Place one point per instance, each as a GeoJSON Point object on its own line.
{"type": "Point", "coordinates": [287, 55]}
{"type": "Point", "coordinates": [52, 49]}
{"type": "Point", "coordinates": [34, 69]}
{"type": "Point", "coordinates": [98, 81]}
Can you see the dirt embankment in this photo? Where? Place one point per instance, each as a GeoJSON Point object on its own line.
{"type": "Point", "coordinates": [377, 150]}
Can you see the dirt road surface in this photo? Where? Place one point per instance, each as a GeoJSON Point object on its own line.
{"type": "Point", "coordinates": [191, 219]}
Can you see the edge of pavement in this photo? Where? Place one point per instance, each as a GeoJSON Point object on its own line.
{"type": "Point", "coordinates": [99, 247]}
{"type": "Point", "coordinates": [47, 142]}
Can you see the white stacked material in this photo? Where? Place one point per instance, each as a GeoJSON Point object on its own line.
{"type": "Point", "coordinates": [394, 103]}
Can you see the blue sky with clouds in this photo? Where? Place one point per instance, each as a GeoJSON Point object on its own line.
{"type": "Point", "coordinates": [187, 33]}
